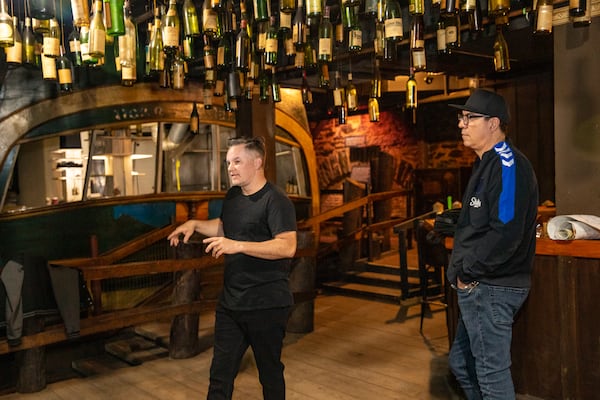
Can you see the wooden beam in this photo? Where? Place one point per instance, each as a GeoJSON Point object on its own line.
{"type": "Point", "coordinates": [107, 322]}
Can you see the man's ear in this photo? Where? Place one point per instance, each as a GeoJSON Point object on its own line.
{"type": "Point", "coordinates": [258, 162]}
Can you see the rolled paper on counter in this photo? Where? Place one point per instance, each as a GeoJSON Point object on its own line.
{"type": "Point", "coordinates": [570, 227]}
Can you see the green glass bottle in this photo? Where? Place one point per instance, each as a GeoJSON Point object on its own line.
{"type": "Point", "coordinates": [191, 26]}
{"type": "Point", "coordinates": [262, 10]}
{"type": "Point", "coordinates": [116, 17]}
{"type": "Point", "coordinates": [65, 72]}
{"type": "Point", "coordinates": [28, 44]}
{"type": "Point", "coordinates": [272, 43]}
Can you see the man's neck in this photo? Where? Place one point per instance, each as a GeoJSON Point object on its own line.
{"type": "Point", "coordinates": [254, 186]}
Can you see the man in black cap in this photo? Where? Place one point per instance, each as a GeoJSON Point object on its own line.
{"type": "Point", "coordinates": [494, 247]}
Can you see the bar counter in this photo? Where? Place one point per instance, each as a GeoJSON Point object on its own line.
{"type": "Point", "coordinates": [556, 335]}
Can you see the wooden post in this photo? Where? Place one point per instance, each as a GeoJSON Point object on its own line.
{"type": "Point", "coordinates": [302, 285]}
{"type": "Point", "coordinates": [31, 362]}
{"type": "Point", "coordinates": [96, 285]}
{"type": "Point", "coordinates": [183, 341]}
{"type": "Point", "coordinates": [352, 220]}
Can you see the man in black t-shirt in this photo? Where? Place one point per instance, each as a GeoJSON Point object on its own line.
{"type": "Point", "coordinates": [256, 233]}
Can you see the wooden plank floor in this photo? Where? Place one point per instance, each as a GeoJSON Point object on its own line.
{"type": "Point", "coordinates": [358, 350]}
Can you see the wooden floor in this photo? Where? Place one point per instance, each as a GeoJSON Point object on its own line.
{"type": "Point", "coordinates": [358, 350]}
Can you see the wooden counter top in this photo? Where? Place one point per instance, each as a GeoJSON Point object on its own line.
{"type": "Point", "coordinates": [569, 248]}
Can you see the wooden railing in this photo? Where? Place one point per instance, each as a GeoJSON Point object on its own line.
{"type": "Point", "coordinates": [366, 229]}
{"type": "Point", "coordinates": [97, 268]}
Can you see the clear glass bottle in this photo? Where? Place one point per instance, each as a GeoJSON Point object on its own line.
{"type": "Point", "coordinates": [501, 57]}
{"type": "Point", "coordinates": [7, 36]}
{"type": "Point", "coordinates": [325, 53]}
{"type": "Point", "coordinates": [178, 71]}
{"type": "Point", "coordinates": [452, 32]}
{"type": "Point", "coordinates": [127, 43]}
{"type": "Point", "coordinates": [209, 20]}
{"type": "Point", "coordinates": [14, 54]}
{"type": "Point", "coordinates": [543, 17]}
{"type": "Point", "coordinates": [157, 56]}
{"type": "Point", "coordinates": [49, 68]}
{"type": "Point", "coordinates": [97, 32]}
{"type": "Point", "coordinates": [351, 95]}
{"type": "Point", "coordinates": [411, 92]}
{"type": "Point", "coordinates": [440, 35]}
{"type": "Point", "coordinates": [81, 12]}
{"type": "Point", "coordinates": [51, 40]}
{"type": "Point", "coordinates": [170, 29]}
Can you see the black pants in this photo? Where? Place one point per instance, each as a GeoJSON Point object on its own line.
{"type": "Point", "coordinates": [263, 331]}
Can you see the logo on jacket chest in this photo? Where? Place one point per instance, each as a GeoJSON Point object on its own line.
{"type": "Point", "coordinates": [475, 202]}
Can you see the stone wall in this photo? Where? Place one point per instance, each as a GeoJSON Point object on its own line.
{"type": "Point", "coordinates": [343, 152]}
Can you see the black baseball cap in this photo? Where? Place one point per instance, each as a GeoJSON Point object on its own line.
{"type": "Point", "coordinates": [486, 102]}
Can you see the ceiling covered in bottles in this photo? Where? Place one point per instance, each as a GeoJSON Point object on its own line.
{"type": "Point", "coordinates": [473, 58]}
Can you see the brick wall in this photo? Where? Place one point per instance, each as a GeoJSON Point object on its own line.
{"type": "Point", "coordinates": [337, 147]}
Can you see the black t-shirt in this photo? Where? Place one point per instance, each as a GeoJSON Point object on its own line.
{"type": "Point", "coordinates": [250, 282]}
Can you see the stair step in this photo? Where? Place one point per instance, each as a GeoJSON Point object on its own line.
{"type": "Point", "coordinates": [379, 279]}
{"type": "Point", "coordinates": [361, 290]}
{"type": "Point", "coordinates": [136, 350]}
{"type": "Point", "coordinates": [97, 365]}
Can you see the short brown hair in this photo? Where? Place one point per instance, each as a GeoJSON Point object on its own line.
{"type": "Point", "coordinates": [255, 144]}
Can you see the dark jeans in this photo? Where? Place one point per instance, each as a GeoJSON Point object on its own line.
{"type": "Point", "coordinates": [263, 331]}
{"type": "Point", "coordinates": [480, 355]}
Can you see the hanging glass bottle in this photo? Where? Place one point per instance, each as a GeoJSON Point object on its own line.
{"type": "Point", "coordinates": [97, 33]}
{"type": "Point", "coordinates": [81, 12]}
{"type": "Point", "coordinates": [115, 18]}
{"type": "Point", "coordinates": [65, 72]}
{"type": "Point", "coordinates": [28, 44]}
{"type": "Point", "coordinates": [42, 9]}
{"type": "Point", "coordinates": [128, 42]}
{"type": "Point", "coordinates": [501, 57]}
{"type": "Point", "coordinates": [191, 26]}
{"type": "Point", "coordinates": [14, 54]}
{"type": "Point", "coordinates": [7, 36]}
{"type": "Point", "coordinates": [157, 57]}
{"type": "Point", "coordinates": [51, 40]}
{"type": "Point", "coordinates": [170, 29]}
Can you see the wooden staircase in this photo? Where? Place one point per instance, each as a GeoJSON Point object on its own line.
{"type": "Point", "coordinates": [378, 279]}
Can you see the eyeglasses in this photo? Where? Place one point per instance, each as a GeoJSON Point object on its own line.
{"type": "Point", "coordinates": [466, 118]}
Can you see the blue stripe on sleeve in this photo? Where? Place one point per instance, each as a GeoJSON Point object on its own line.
{"type": "Point", "coordinates": [506, 204]}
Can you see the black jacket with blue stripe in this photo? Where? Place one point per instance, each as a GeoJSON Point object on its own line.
{"type": "Point", "coordinates": [494, 242]}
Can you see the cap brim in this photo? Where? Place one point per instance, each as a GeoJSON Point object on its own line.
{"type": "Point", "coordinates": [466, 108]}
